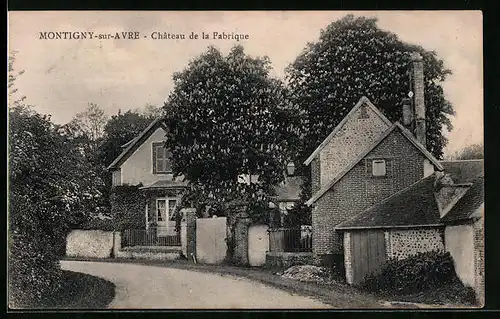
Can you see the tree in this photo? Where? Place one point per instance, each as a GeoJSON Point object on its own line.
{"type": "Point", "coordinates": [151, 111]}
{"type": "Point", "coordinates": [88, 127]}
{"type": "Point", "coordinates": [52, 188]}
{"type": "Point", "coordinates": [120, 129]}
{"type": "Point", "coordinates": [352, 58]}
{"type": "Point", "coordinates": [474, 151]}
{"type": "Point", "coordinates": [226, 117]}
{"type": "Point", "coordinates": [14, 98]}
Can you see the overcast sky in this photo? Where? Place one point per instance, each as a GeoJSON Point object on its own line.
{"type": "Point", "coordinates": [63, 76]}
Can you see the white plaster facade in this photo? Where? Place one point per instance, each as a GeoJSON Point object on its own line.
{"type": "Point", "coordinates": [459, 241]}
{"type": "Point", "coordinates": [138, 167]}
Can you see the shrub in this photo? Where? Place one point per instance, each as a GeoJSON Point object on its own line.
{"type": "Point", "coordinates": [414, 274]}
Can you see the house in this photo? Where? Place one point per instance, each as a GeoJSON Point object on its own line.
{"type": "Point", "coordinates": [145, 161]}
{"type": "Point", "coordinates": [378, 193]}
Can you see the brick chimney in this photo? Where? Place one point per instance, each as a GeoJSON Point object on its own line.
{"type": "Point", "coordinates": [407, 114]}
{"type": "Point", "coordinates": [417, 76]}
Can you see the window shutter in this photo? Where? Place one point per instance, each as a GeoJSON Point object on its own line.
{"type": "Point", "coordinates": [155, 150]}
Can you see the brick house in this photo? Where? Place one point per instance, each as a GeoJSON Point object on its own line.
{"type": "Point", "coordinates": [378, 193]}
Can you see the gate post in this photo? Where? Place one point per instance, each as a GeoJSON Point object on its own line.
{"type": "Point", "coordinates": [241, 241]}
{"type": "Point", "coordinates": [189, 231]}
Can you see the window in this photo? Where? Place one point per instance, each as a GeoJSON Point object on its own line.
{"type": "Point", "coordinates": [161, 211]}
{"type": "Point", "coordinates": [161, 159]}
{"type": "Point", "coordinates": [378, 168]}
{"type": "Point", "coordinates": [164, 206]}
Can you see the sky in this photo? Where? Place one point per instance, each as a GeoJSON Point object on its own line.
{"type": "Point", "coordinates": [63, 75]}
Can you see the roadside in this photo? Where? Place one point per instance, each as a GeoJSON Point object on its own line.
{"type": "Point", "coordinates": [77, 291]}
{"type": "Point", "coordinates": [337, 295]}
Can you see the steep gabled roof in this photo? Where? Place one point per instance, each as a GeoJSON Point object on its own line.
{"type": "Point", "coordinates": [132, 145]}
{"type": "Point", "coordinates": [362, 101]}
{"type": "Point", "coordinates": [468, 204]}
{"type": "Point", "coordinates": [396, 125]}
{"type": "Point", "coordinates": [412, 206]}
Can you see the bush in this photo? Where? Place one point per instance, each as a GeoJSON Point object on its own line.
{"type": "Point", "coordinates": [412, 275]}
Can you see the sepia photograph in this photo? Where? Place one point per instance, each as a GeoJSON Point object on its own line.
{"type": "Point", "coordinates": [245, 160]}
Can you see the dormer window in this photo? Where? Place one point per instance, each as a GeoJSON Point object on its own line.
{"type": "Point", "coordinates": [161, 159]}
{"type": "Point", "coordinates": [378, 167]}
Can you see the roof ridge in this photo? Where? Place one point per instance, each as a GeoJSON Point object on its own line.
{"type": "Point", "coordinates": [134, 142]}
{"type": "Point", "coordinates": [350, 166]}
{"type": "Point", "coordinates": [405, 132]}
{"type": "Point", "coordinates": [362, 101]}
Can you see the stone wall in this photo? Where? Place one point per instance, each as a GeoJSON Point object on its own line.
{"type": "Point", "coordinates": [90, 244]}
{"type": "Point", "coordinates": [285, 260]}
{"type": "Point", "coordinates": [404, 243]}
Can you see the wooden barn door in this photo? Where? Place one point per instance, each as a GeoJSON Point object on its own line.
{"type": "Point", "coordinates": [368, 253]}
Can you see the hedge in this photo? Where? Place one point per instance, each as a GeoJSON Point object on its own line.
{"type": "Point", "coordinates": [414, 274]}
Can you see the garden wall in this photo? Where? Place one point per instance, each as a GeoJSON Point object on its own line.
{"type": "Point", "coordinates": [90, 244]}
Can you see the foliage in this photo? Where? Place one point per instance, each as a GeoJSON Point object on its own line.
{"type": "Point", "coordinates": [88, 127]}
{"type": "Point", "coordinates": [417, 273]}
{"type": "Point", "coordinates": [127, 207]}
{"type": "Point", "coordinates": [475, 151]}
{"type": "Point", "coordinates": [352, 58]}
{"type": "Point", "coordinates": [14, 98]}
{"type": "Point", "coordinates": [52, 188]}
{"type": "Point", "coordinates": [300, 213]}
{"type": "Point", "coordinates": [227, 117]}
{"type": "Point", "coordinates": [120, 129]}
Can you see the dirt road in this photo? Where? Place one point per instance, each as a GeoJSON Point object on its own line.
{"type": "Point", "coordinates": [140, 286]}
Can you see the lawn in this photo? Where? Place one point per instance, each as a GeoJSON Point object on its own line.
{"type": "Point", "coordinates": [79, 291]}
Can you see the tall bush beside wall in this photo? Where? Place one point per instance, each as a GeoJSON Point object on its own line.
{"type": "Point", "coordinates": [52, 186]}
{"type": "Point", "coordinates": [128, 204]}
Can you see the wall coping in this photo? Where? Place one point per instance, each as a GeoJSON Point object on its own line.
{"type": "Point", "coordinates": [287, 254]}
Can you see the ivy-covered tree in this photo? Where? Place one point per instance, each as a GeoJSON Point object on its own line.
{"type": "Point", "coordinates": [227, 117]}
{"type": "Point", "coordinates": [352, 58]}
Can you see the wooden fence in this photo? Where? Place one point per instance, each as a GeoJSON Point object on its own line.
{"type": "Point", "coordinates": [290, 240]}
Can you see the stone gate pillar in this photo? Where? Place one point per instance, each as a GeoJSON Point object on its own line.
{"type": "Point", "coordinates": [188, 232]}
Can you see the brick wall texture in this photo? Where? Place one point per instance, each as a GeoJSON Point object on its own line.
{"type": "Point", "coordinates": [362, 128]}
{"type": "Point", "coordinates": [315, 175]}
{"type": "Point", "coordinates": [479, 260]}
{"type": "Point", "coordinates": [358, 189]}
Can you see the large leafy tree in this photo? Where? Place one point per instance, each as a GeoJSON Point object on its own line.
{"type": "Point", "coordinates": [228, 117]}
{"type": "Point", "coordinates": [352, 58]}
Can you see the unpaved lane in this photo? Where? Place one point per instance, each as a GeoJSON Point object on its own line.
{"type": "Point", "coordinates": [140, 286]}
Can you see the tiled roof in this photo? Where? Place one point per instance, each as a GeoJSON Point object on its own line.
{"type": "Point", "coordinates": [464, 171]}
{"type": "Point", "coordinates": [413, 206]}
{"type": "Point", "coordinates": [469, 203]}
{"type": "Point", "coordinates": [290, 189]}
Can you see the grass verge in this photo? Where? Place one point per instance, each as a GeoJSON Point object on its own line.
{"type": "Point", "coordinates": [79, 291]}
